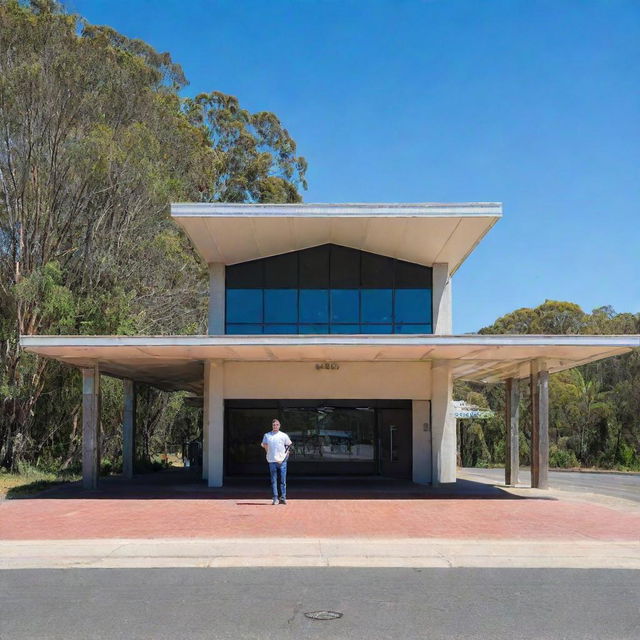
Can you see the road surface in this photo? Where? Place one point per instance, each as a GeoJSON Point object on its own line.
{"type": "Point", "coordinates": [625, 486]}
{"type": "Point", "coordinates": [377, 604]}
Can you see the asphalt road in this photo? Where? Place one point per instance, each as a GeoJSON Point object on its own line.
{"type": "Point", "coordinates": [609, 484]}
{"type": "Point", "coordinates": [435, 604]}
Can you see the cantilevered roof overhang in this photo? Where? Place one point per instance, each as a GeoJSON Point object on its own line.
{"type": "Point", "coordinates": [425, 233]}
{"type": "Point", "coordinates": [175, 362]}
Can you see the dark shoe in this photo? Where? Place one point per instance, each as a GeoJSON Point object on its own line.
{"type": "Point", "coordinates": [283, 501]}
{"type": "Point", "coordinates": [274, 501]}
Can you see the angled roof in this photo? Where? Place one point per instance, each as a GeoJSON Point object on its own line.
{"type": "Point", "coordinates": [423, 233]}
{"type": "Point", "coordinates": [175, 362]}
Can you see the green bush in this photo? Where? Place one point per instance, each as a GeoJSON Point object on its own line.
{"type": "Point", "coordinates": [562, 458]}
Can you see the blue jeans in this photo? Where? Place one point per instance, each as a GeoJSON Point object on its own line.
{"type": "Point", "coordinates": [273, 470]}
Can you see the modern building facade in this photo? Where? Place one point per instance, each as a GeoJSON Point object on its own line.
{"type": "Point", "coordinates": [336, 318]}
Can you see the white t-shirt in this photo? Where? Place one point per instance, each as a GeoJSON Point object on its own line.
{"type": "Point", "coordinates": [276, 442]}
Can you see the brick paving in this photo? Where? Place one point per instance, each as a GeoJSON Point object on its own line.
{"type": "Point", "coordinates": [122, 511]}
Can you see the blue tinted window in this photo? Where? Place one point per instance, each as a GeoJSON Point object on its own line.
{"type": "Point", "coordinates": [314, 328]}
{"type": "Point", "coordinates": [413, 328]}
{"type": "Point", "coordinates": [345, 305]}
{"type": "Point", "coordinates": [376, 328]}
{"type": "Point", "coordinates": [314, 305]}
{"type": "Point", "coordinates": [244, 329]}
{"type": "Point", "coordinates": [281, 305]}
{"type": "Point", "coordinates": [328, 289]}
{"type": "Point", "coordinates": [413, 305]}
{"type": "Point", "coordinates": [345, 328]}
{"type": "Point", "coordinates": [244, 305]}
{"type": "Point", "coordinates": [280, 328]}
{"type": "Point", "coordinates": [376, 305]}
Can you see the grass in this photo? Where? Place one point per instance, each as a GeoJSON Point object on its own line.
{"type": "Point", "coordinates": [30, 482]}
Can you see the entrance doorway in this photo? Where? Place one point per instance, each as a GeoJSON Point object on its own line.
{"type": "Point", "coordinates": [355, 437]}
{"type": "Point", "coordinates": [395, 436]}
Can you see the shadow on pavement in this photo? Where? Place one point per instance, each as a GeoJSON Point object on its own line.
{"type": "Point", "coordinates": [186, 484]}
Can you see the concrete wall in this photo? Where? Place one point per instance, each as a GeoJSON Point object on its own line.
{"type": "Point", "coordinates": [429, 387]}
{"type": "Point", "coordinates": [442, 300]}
{"type": "Point", "coordinates": [421, 417]}
{"type": "Point", "coordinates": [217, 299]}
{"type": "Point", "coordinates": [443, 424]}
{"type": "Point", "coordinates": [353, 380]}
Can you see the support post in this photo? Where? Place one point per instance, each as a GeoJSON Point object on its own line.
{"type": "Point", "coordinates": [535, 423]}
{"type": "Point", "coordinates": [128, 428]}
{"type": "Point", "coordinates": [90, 427]}
{"type": "Point", "coordinates": [213, 427]}
{"type": "Point", "coordinates": [543, 429]}
{"type": "Point", "coordinates": [539, 426]}
{"type": "Point", "coordinates": [216, 325]}
{"type": "Point", "coordinates": [512, 427]}
{"type": "Point", "coordinates": [443, 424]}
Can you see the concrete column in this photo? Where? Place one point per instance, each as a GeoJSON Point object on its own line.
{"type": "Point", "coordinates": [129, 428]}
{"type": "Point", "coordinates": [421, 417]}
{"type": "Point", "coordinates": [533, 384]}
{"type": "Point", "coordinates": [540, 426]}
{"type": "Point", "coordinates": [214, 421]}
{"type": "Point", "coordinates": [216, 298]}
{"type": "Point", "coordinates": [443, 424]}
{"type": "Point", "coordinates": [90, 427]}
{"type": "Point", "coordinates": [512, 427]}
{"type": "Point", "coordinates": [543, 429]}
{"type": "Point", "coordinates": [442, 300]}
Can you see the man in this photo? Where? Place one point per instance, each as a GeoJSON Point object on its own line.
{"type": "Point", "coordinates": [277, 443]}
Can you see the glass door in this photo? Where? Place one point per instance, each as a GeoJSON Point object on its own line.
{"type": "Point", "coordinates": [394, 443]}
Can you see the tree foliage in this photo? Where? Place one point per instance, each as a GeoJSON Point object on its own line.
{"type": "Point", "coordinates": [594, 410]}
{"type": "Point", "coordinates": [95, 141]}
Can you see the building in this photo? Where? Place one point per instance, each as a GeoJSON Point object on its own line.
{"type": "Point", "coordinates": [338, 319]}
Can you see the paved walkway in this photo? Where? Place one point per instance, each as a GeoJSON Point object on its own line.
{"type": "Point", "coordinates": [383, 523]}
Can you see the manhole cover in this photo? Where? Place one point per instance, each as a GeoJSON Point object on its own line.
{"type": "Point", "coordinates": [323, 615]}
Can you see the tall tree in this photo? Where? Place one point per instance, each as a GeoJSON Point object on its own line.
{"type": "Point", "coordinates": [94, 143]}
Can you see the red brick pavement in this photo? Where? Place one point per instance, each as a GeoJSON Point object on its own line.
{"type": "Point", "coordinates": [203, 517]}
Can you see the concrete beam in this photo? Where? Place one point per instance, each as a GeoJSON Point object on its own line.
{"type": "Point", "coordinates": [512, 428]}
{"type": "Point", "coordinates": [443, 424]}
{"type": "Point", "coordinates": [442, 300]}
{"type": "Point", "coordinates": [217, 299]}
{"type": "Point", "coordinates": [128, 428]}
{"type": "Point", "coordinates": [90, 427]}
{"type": "Point", "coordinates": [213, 422]}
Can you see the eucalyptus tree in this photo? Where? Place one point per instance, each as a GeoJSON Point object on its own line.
{"type": "Point", "coordinates": [95, 141]}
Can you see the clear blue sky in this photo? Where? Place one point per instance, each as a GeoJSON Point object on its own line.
{"type": "Point", "coordinates": [533, 103]}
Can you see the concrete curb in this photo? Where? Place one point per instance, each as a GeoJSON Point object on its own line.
{"type": "Point", "coordinates": [317, 552]}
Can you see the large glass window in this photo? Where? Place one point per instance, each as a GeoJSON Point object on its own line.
{"type": "Point", "coordinates": [328, 289]}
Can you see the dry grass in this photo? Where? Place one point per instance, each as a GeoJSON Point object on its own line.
{"type": "Point", "coordinates": [18, 485]}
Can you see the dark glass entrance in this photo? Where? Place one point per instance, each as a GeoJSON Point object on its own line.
{"type": "Point", "coordinates": [356, 437]}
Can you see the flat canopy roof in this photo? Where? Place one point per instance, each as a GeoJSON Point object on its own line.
{"type": "Point", "coordinates": [424, 233]}
{"type": "Point", "coordinates": [175, 362]}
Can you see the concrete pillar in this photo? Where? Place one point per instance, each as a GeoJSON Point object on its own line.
{"type": "Point", "coordinates": [90, 427]}
{"type": "Point", "coordinates": [216, 298]}
{"type": "Point", "coordinates": [213, 422]}
{"type": "Point", "coordinates": [442, 300]}
{"type": "Point", "coordinates": [540, 425]}
{"type": "Point", "coordinates": [533, 384]}
{"type": "Point", "coordinates": [129, 428]}
{"type": "Point", "coordinates": [421, 417]}
{"type": "Point", "coordinates": [512, 427]}
{"type": "Point", "coordinates": [443, 424]}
